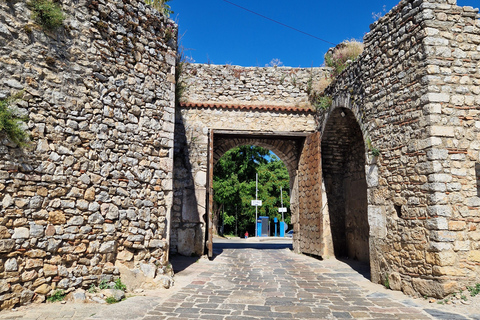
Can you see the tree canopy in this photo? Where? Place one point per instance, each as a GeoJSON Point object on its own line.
{"type": "Point", "coordinates": [234, 188]}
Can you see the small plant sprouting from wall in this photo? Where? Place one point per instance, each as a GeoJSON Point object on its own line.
{"type": "Point", "coordinates": [322, 102]}
{"type": "Point", "coordinates": [169, 32]}
{"type": "Point", "coordinates": [10, 123]}
{"type": "Point", "coordinates": [59, 295]}
{"type": "Point", "coordinates": [161, 6]}
{"type": "Point", "coordinates": [47, 13]}
{"type": "Point", "coordinates": [180, 86]}
{"type": "Point", "coordinates": [386, 282]}
{"type": "Point", "coordinates": [375, 152]}
{"type": "Point", "coordinates": [342, 55]}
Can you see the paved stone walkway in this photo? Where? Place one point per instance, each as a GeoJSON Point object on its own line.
{"type": "Point", "coordinates": [252, 284]}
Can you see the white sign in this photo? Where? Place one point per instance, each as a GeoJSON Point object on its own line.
{"type": "Point", "coordinates": [282, 209]}
{"type": "Point", "coordinates": [257, 203]}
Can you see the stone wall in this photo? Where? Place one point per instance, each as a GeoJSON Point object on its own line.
{"type": "Point", "coordinates": [91, 198]}
{"type": "Point", "coordinates": [415, 94]}
{"type": "Point", "coordinates": [228, 84]}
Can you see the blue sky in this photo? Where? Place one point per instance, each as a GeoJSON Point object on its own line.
{"type": "Point", "coordinates": [217, 32]}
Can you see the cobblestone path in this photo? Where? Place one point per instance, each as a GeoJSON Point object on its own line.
{"type": "Point", "coordinates": [278, 284]}
{"type": "Point", "coordinates": [255, 283]}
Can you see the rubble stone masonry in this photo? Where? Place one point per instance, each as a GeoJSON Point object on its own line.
{"type": "Point", "coordinates": [116, 168]}
{"type": "Point", "coordinates": [91, 197]}
{"type": "Point", "coordinates": [415, 92]}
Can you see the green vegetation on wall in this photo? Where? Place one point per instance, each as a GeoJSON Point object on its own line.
{"type": "Point", "coordinates": [161, 6]}
{"type": "Point", "coordinates": [10, 123]}
{"type": "Point", "coordinates": [343, 55]}
{"type": "Point", "coordinates": [47, 13]}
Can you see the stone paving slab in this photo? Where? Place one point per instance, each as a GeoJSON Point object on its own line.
{"type": "Point", "coordinates": [254, 284]}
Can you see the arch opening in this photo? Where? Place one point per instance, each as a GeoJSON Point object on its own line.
{"type": "Point", "coordinates": [343, 166]}
{"type": "Point", "coordinates": [234, 187]}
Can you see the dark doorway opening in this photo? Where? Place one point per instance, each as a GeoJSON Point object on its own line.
{"type": "Point", "coordinates": [343, 165]}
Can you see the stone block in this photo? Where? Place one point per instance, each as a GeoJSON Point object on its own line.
{"type": "Point", "coordinates": [442, 131]}
{"type": "Point", "coordinates": [36, 230]}
{"type": "Point", "coordinates": [439, 223]}
{"type": "Point", "coordinates": [443, 236]}
{"type": "Point", "coordinates": [125, 255]}
{"type": "Point", "coordinates": [29, 275]}
{"type": "Point", "coordinates": [56, 217]}
{"type": "Point", "coordinates": [372, 175]}
{"type": "Point", "coordinates": [89, 194]}
{"type": "Point", "coordinates": [4, 286]}
{"type": "Point", "coordinates": [75, 221]}
{"type": "Point", "coordinates": [6, 245]}
{"type": "Point", "coordinates": [457, 225]}
{"type": "Point", "coordinates": [33, 263]}
{"type": "Point", "coordinates": [21, 233]}
{"type": "Point", "coordinates": [461, 245]}
{"type": "Point", "coordinates": [395, 281]}
{"type": "Point", "coordinates": [435, 289]}
{"type": "Point", "coordinates": [7, 201]}
{"type": "Point", "coordinates": [11, 265]}
{"type": "Point", "coordinates": [439, 246]}
{"type": "Point", "coordinates": [448, 271]}
{"type": "Point", "coordinates": [377, 221]}
{"type": "Point", "coordinates": [35, 253]}
{"type": "Point", "coordinates": [50, 270]}
{"type": "Point", "coordinates": [155, 243]}
{"type": "Point", "coordinates": [474, 256]}
{"type": "Point", "coordinates": [4, 233]}
{"type": "Point", "coordinates": [96, 218]}
{"type": "Point", "coordinates": [108, 247]}
{"type": "Point", "coordinates": [439, 210]}
{"type": "Point", "coordinates": [444, 258]}
{"type": "Point", "coordinates": [43, 289]}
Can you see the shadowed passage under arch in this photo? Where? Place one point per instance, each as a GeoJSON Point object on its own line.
{"type": "Point", "coordinates": [343, 163]}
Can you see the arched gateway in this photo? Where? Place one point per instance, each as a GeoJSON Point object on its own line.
{"type": "Point", "coordinates": [329, 215]}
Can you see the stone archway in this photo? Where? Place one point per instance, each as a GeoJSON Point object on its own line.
{"type": "Point", "coordinates": [343, 163]}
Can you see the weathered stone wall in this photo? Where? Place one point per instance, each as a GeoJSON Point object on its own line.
{"type": "Point", "coordinates": [91, 198]}
{"type": "Point", "coordinates": [228, 84]}
{"type": "Point", "coordinates": [308, 226]}
{"type": "Point", "coordinates": [415, 94]}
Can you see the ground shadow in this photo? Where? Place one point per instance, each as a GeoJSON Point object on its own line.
{"type": "Point", "coordinates": [363, 268]}
{"type": "Point", "coordinates": [180, 263]}
{"type": "Point", "coordinates": [218, 247]}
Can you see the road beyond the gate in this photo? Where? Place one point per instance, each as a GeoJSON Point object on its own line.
{"type": "Point", "coordinates": [255, 279]}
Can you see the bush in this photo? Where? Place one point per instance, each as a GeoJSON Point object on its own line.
{"type": "Point", "coordinates": [10, 123]}
{"type": "Point", "coordinates": [342, 55]}
{"type": "Point", "coordinates": [48, 14]}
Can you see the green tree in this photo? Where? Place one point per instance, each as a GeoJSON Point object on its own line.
{"type": "Point", "coordinates": [234, 187]}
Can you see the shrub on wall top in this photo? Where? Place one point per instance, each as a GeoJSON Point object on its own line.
{"type": "Point", "coordinates": [47, 13]}
{"type": "Point", "coordinates": [342, 55]}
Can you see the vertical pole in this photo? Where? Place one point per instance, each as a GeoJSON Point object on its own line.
{"type": "Point", "coordinates": [281, 197]}
{"type": "Point", "coordinates": [256, 207]}
{"type": "Point", "coordinates": [236, 221]}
